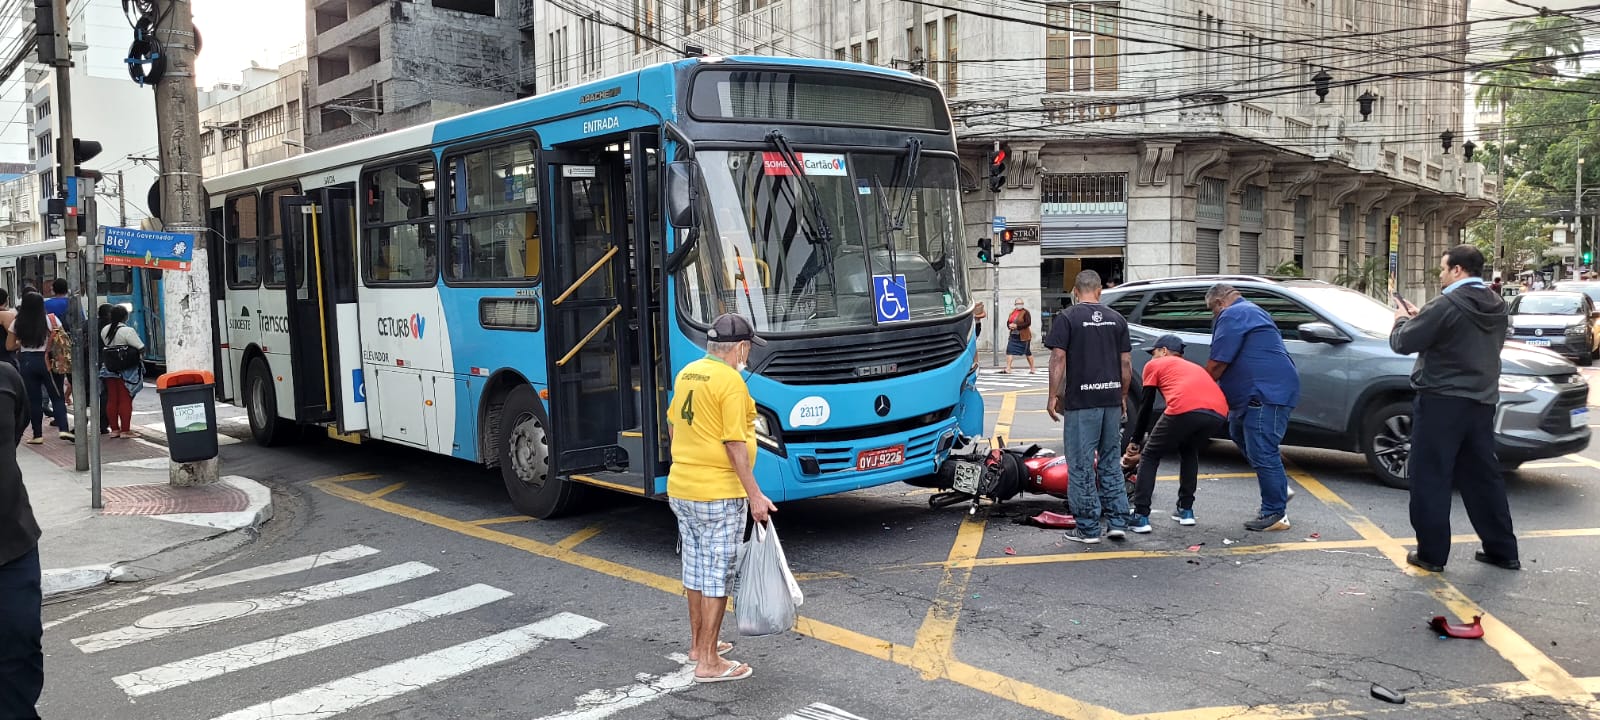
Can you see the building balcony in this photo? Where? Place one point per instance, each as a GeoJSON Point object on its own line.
{"type": "Point", "coordinates": [358, 81]}
{"type": "Point", "coordinates": [347, 32]}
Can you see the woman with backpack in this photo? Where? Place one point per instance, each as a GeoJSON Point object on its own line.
{"type": "Point", "coordinates": [102, 319]}
{"type": "Point", "coordinates": [30, 337]}
{"type": "Point", "coordinates": [122, 369]}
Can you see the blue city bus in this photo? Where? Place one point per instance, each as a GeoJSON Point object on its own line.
{"type": "Point", "coordinates": [518, 286]}
{"type": "Point", "coordinates": [139, 290]}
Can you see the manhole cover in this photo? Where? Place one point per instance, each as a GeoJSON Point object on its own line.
{"type": "Point", "coordinates": [196, 615]}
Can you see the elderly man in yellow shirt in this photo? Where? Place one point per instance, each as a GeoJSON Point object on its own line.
{"type": "Point", "coordinates": [712, 484]}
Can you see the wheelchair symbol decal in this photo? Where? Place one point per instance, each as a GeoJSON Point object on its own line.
{"type": "Point", "coordinates": [890, 298]}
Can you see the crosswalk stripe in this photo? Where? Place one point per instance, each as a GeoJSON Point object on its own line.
{"type": "Point", "coordinates": [379, 684]}
{"type": "Point", "coordinates": [598, 704]}
{"type": "Point", "coordinates": [192, 616]}
{"type": "Point", "coordinates": [820, 711]}
{"type": "Point", "coordinates": [210, 665]}
{"type": "Point", "coordinates": [262, 572]}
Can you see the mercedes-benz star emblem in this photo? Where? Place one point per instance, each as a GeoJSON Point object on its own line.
{"type": "Point", "coordinates": [881, 405]}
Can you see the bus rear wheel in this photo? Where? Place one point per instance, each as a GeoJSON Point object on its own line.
{"type": "Point", "coordinates": [525, 460]}
{"type": "Point", "coordinates": [261, 404]}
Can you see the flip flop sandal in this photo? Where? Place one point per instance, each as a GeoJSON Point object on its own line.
{"type": "Point", "coordinates": [36, 441]}
{"type": "Point", "coordinates": [728, 675]}
{"type": "Point", "coordinates": [723, 648]}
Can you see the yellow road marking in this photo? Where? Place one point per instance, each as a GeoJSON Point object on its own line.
{"type": "Point", "coordinates": [619, 487]}
{"type": "Point", "coordinates": [983, 681]}
{"type": "Point", "coordinates": [1515, 649]}
{"type": "Point", "coordinates": [392, 488]}
{"type": "Point", "coordinates": [827, 575]}
{"type": "Point", "coordinates": [501, 520]}
{"type": "Point", "coordinates": [352, 477]}
{"type": "Point", "coordinates": [1008, 411]}
{"type": "Point", "coordinates": [571, 541]}
{"type": "Point", "coordinates": [936, 638]}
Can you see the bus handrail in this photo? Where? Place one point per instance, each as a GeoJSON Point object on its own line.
{"type": "Point", "coordinates": [586, 275]}
{"type": "Point", "coordinates": [596, 331]}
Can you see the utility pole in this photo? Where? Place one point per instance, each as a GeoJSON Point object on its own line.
{"type": "Point", "coordinates": [122, 200]}
{"type": "Point", "coordinates": [187, 294]}
{"type": "Point", "coordinates": [50, 21]}
{"type": "Point", "coordinates": [1577, 214]}
{"type": "Point", "coordinates": [1500, 192]}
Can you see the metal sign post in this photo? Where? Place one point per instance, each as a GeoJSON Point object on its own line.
{"type": "Point", "coordinates": [92, 258]}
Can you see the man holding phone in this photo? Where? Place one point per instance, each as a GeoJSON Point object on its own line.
{"type": "Point", "coordinates": [1457, 339]}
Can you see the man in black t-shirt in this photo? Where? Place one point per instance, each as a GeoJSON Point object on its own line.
{"type": "Point", "coordinates": [1091, 367]}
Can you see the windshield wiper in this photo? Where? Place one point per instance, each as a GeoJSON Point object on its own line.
{"type": "Point", "coordinates": [896, 221]}
{"type": "Point", "coordinates": [822, 241]}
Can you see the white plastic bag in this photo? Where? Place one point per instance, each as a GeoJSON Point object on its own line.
{"type": "Point", "coordinates": [764, 602]}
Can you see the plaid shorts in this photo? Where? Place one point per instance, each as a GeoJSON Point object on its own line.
{"type": "Point", "coordinates": [710, 533]}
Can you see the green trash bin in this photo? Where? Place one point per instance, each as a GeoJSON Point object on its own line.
{"type": "Point", "coordinates": [189, 406]}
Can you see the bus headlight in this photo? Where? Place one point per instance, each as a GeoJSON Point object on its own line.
{"type": "Point", "coordinates": [766, 432]}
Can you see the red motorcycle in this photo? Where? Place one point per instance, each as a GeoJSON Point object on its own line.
{"type": "Point", "coordinates": [1001, 474]}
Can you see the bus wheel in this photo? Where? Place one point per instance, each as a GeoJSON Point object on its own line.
{"type": "Point", "coordinates": [525, 460]}
{"type": "Point", "coordinates": [261, 404]}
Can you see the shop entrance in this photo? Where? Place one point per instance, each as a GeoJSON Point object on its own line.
{"type": "Point", "coordinates": [1058, 273]}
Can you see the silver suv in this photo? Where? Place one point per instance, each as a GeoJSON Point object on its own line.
{"type": "Point", "coordinates": [1355, 393]}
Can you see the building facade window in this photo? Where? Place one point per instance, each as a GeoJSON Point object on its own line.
{"type": "Point", "coordinates": [698, 15]}
{"type": "Point", "coordinates": [1081, 47]}
{"type": "Point", "coordinates": [559, 57]}
{"type": "Point", "coordinates": [872, 51]}
{"type": "Point", "coordinates": [952, 64]}
{"type": "Point", "coordinates": [647, 23]}
{"type": "Point", "coordinates": [1089, 194]}
{"type": "Point", "coordinates": [930, 49]}
{"type": "Point", "coordinates": [589, 47]}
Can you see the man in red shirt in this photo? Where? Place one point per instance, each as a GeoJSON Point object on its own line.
{"type": "Point", "coordinates": [1196, 412]}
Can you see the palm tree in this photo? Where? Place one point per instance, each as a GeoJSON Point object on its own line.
{"type": "Point", "coordinates": [1542, 38]}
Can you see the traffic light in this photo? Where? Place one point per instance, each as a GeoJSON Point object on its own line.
{"type": "Point", "coordinates": [84, 150]}
{"type": "Point", "coordinates": [997, 168]}
{"type": "Point", "coordinates": [985, 250]}
{"type": "Point", "coordinates": [1006, 246]}
{"type": "Point", "coordinates": [1588, 256]}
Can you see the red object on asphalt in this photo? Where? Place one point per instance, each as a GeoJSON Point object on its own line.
{"type": "Point", "coordinates": [1470, 631]}
{"type": "Point", "coordinates": [1047, 519]}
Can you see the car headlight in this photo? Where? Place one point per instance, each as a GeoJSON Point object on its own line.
{"type": "Point", "coordinates": [1577, 329]}
{"type": "Point", "coordinates": [764, 435]}
{"type": "Point", "coordinates": [1523, 383]}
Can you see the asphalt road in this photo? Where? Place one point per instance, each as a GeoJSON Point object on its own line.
{"type": "Point", "coordinates": [399, 585]}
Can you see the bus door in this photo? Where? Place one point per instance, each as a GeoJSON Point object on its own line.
{"type": "Point", "coordinates": [591, 381]}
{"type": "Point", "coordinates": [319, 244]}
{"type": "Point", "coordinates": [646, 440]}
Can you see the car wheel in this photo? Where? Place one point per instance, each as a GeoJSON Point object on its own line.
{"type": "Point", "coordinates": [525, 460]}
{"type": "Point", "coordinates": [261, 407]}
{"type": "Point", "coordinates": [1386, 441]}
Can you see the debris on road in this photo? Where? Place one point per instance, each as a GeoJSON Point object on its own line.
{"type": "Point", "coordinates": [1011, 551]}
{"type": "Point", "coordinates": [1469, 631]}
{"type": "Point", "coordinates": [1227, 541]}
{"type": "Point", "coordinates": [1389, 696]}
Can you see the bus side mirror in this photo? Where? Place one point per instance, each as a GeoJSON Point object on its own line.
{"type": "Point", "coordinates": [682, 194]}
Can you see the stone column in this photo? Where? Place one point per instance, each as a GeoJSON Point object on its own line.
{"type": "Point", "coordinates": [1161, 207]}
{"type": "Point", "coordinates": [1277, 237]}
{"type": "Point", "coordinates": [1323, 261]}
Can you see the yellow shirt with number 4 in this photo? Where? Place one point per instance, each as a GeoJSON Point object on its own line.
{"type": "Point", "coordinates": [711, 406]}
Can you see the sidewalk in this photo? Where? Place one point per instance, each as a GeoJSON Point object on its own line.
{"type": "Point", "coordinates": [147, 528]}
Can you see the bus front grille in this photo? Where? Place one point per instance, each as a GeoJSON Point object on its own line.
{"type": "Point", "coordinates": [859, 362]}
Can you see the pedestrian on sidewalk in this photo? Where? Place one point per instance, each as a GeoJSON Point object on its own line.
{"type": "Point", "coordinates": [979, 314]}
{"type": "Point", "coordinates": [102, 319]}
{"type": "Point", "coordinates": [59, 305]}
{"type": "Point", "coordinates": [1196, 410]}
{"type": "Point", "coordinates": [29, 336]}
{"type": "Point", "coordinates": [712, 484]}
{"type": "Point", "coordinates": [1090, 370]}
{"type": "Point", "coordinates": [1251, 364]}
{"type": "Point", "coordinates": [123, 384]}
{"type": "Point", "coordinates": [1020, 342]}
{"type": "Point", "coordinates": [1457, 339]}
{"type": "Point", "coordinates": [7, 316]}
{"type": "Point", "coordinates": [21, 624]}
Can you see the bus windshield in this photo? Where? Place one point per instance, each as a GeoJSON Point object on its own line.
{"type": "Point", "coordinates": [763, 255]}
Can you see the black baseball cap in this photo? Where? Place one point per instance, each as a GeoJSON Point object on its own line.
{"type": "Point", "coordinates": [1170, 342]}
{"type": "Point", "coordinates": [731, 328]}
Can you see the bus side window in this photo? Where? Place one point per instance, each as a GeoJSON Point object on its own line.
{"type": "Point", "coordinates": [399, 245]}
{"type": "Point", "coordinates": [494, 216]}
{"type": "Point", "coordinates": [242, 227]}
{"type": "Point", "coordinates": [275, 272]}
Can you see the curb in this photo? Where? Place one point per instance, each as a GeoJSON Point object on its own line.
{"type": "Point", "coordinates": [243, 530]}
